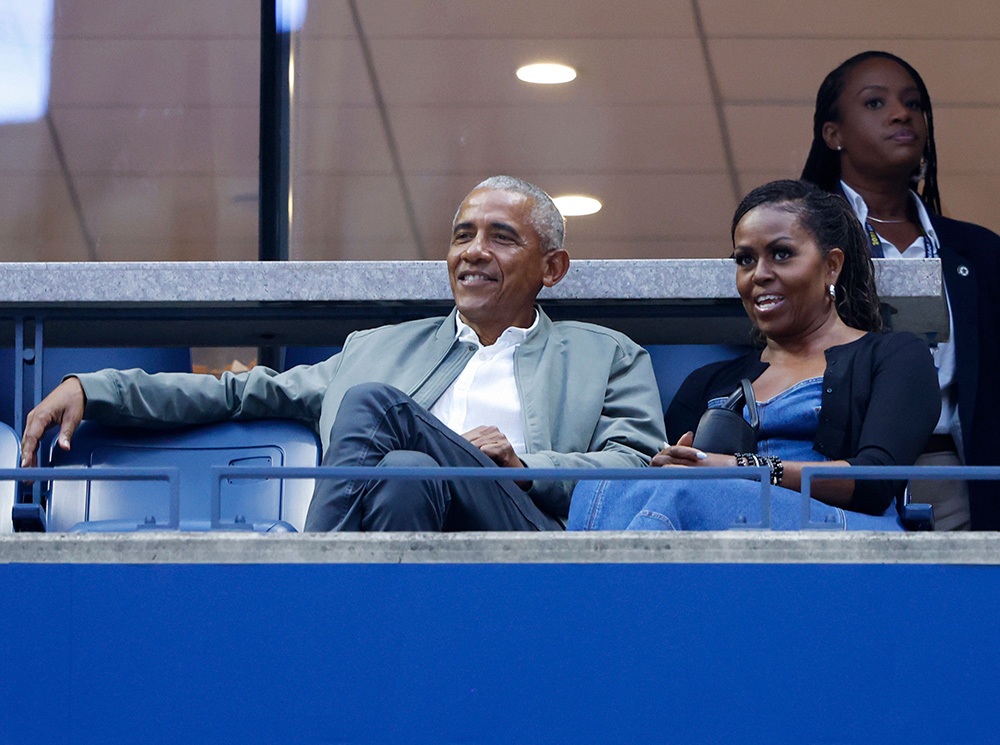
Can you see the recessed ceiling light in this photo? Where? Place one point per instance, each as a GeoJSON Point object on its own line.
{"type": "Point", "coordinates": [574, 205]}
{"type": "Point", "coordinates": [545, 73]}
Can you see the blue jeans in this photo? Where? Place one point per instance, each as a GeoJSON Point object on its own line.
{"type": "Point", "coordinates": [787, 427]}
{"type": "Point", "coordinates": [378, 425]}
{"type": "Point", "coordinates": [703, 505]}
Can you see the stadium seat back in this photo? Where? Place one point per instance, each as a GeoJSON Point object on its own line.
{"type": "Point", "coordinates": [674, 362]}
{"type": "Point", "coordinates": [260, 504]}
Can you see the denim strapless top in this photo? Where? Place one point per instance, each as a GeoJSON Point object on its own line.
{"type": "Point", "coordinates": [788, 421]}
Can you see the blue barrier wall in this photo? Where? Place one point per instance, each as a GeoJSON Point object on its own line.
{"type": "Point", "coordinates": [418, 653]}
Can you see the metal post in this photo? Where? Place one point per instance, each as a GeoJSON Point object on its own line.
{"type": "Point", "coordinates": [19, 362]}
{"type": "Point", "coordinates": [275, 135]}
{"type": "Point", "coordinates": [275, 148]}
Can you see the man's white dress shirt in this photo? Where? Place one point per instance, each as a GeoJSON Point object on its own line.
{"type": "Point", "coordinates": [485, 392]}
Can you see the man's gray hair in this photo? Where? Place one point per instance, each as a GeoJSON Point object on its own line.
{"type": "Point", "coordinates": [545, 217]}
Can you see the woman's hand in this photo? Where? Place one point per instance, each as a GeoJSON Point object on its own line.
{"type": "Point", "coordinates": [682, 454]}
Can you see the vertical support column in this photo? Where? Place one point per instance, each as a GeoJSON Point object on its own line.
{"type": "Point", "coordinates": [19, 363]}
{"type": "Point", "coordinates": [39, 357]}
{"type": "Point", "coordinates": [275, 147]}
{"type": "Point", "coordinates": [37, 393]}
{"type": "Point", "coordinates": [27, 358]}
{"type": "Point", "coordinates": [275, 134]}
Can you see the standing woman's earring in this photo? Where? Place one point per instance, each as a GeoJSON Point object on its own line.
{"type": "Point", "coordinates": [833, 292]}
{"type": "Point", "coordinates": [839, 148]}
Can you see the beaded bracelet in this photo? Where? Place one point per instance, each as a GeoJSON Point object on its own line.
{"type": "Point", "coordinates": [773, 462]}
{"type": "Point", "coordinates": [777, 469]}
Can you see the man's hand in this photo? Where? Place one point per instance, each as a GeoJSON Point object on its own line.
{"type": "Point", "coordinates": [493, 443]}
{"type": "Point", "coordinates": [63, 407]}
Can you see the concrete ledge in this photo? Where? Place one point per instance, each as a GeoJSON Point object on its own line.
{"type": "Point", "coordinates": [656, 301]}
{"type": "Point", "coordinates": [731, 547]}
{"type": "Point", "coordinates": [211, 282]}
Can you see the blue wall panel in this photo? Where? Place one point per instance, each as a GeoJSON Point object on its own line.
{"type": "Point", "coordinates": [499, 653]}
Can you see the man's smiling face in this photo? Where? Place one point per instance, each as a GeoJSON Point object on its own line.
{"type": "Point", "coordinates": [495, 263]}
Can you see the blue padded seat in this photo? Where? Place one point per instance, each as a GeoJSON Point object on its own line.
{"type": "Point", "coordinates": [264, 505]}
{"type": "Point", "coordinates": [674, 362]}
{"type": "Point", "coordinates": [10, 457]}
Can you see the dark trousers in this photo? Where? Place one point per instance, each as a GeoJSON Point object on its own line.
{"type": "Point", "coordinates": [378, 425]}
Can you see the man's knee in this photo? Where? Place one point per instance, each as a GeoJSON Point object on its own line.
{"type": "Point", "coordinates": [398, 504]}
{"type": "Point", "coordinates": [369, 394]}
{"type": "Point", "coordinates": [407, 459]}
{"type": "Point", "coordinates": [362, 408]}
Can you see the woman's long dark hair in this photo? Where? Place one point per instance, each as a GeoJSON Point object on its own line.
{"type": "Point", "coordinates": [823, 164]}
{"type": "Point", "coordinates": [829, 220]}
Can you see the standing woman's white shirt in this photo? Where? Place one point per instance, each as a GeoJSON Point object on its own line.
{"type": "Point", "coordinates": [944, 352]}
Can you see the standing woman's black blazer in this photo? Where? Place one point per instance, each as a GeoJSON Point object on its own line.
{"type": "Point", "coordinates": [970, 260]}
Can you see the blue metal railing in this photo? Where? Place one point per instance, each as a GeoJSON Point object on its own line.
{"type": "Point", "coordinates": [762, 474]}
{"type": "Point", "coordinates": [171, 475]}
{"type": "Point", "coordinates": [218, 473]}
{"type": "Point", "coordinates": [488, 474]}
{"type": "Point", "coordinates": [901, 473]}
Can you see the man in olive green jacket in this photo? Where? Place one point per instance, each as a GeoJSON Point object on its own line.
{"type": "Point", "coordinates": [430, 392]}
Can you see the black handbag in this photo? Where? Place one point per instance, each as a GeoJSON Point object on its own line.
{"type": "Point", "coordinates": [725, 430]}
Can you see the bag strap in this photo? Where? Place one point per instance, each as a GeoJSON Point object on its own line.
{"type": "Point", "coordinates": [743, 395]}
{"type": "Point", "coordinates": [751, 403]}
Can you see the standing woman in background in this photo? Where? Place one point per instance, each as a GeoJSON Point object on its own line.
{"type": "Point", "coordinates": [873, 142]}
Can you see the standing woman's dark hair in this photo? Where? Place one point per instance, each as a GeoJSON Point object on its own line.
{"type": "Point", "coordinates": [829, 220]}
{"type": "Point", "coordinates": [823, 164]}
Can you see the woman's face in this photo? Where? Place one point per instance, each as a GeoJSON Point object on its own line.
{"type": "Point", "coordinates": [881, 129]}
{"type": "Point", "coordinates": [782, 276]}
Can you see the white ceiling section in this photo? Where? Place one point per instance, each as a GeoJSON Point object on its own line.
{"type": "Point", "coordinates": [148, 150]}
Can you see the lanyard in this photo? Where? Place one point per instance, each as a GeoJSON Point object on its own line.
{"type": "Point", "coordinates": [875, 243]}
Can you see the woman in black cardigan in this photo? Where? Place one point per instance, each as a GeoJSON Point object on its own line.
{"type": "Point", "coordinates": [829, 385]}
{"type": "Point", "coordinates": [873, 142]}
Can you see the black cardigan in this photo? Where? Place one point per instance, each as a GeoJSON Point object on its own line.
{"type": "Point", "coordinates": [880, 404]}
